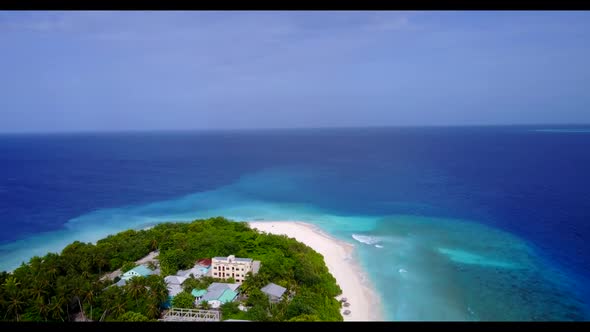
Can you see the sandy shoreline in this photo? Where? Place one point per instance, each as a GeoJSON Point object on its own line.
{"type": "Point", "coordinates": [340, 260]}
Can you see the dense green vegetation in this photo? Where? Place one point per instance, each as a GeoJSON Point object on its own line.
{"type": "Point", "coordinates": [131, 316]}
{"type": "Point", "coordinates": [201, 283]}
{"type": "Point", "coordinates": [53, 287]}
{"type": "Point", "coordinates": [184, 300]}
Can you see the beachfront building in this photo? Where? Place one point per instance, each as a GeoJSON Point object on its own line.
{"type": "Point", "coordinates": [138, 271]}
{"type": "Point", "coordinates": [174, 285]}
{"type": "Point", "coordinates": [216, 294]}
{"type": "Point", "coordinates": [233, 267]}
{"type": "Point", "coordinates": [274, 292]}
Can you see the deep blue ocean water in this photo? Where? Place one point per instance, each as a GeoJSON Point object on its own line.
{"type": "Point", "coordinates": [451, 223]}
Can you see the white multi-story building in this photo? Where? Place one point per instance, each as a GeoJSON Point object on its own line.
{"type": "Point", "coordinates": [233, 267]}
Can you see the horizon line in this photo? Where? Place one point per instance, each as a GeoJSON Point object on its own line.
{"type": "Point", "coordinates": [152, 130]}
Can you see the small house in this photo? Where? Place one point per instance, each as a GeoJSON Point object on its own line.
{"type": "Point", "coordinates": [274, 292]}
{"type": "Point", "coordinates": [174, 284]}
{"type": "Point", "coordinates": [216, 294]}
{"type": "Point", "coordinates": [138, 271]}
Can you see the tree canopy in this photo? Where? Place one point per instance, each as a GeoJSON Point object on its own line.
{"type": "Point", "coordinates": [57, 286]}
{"type": "Point", "coordinates": [183, 300]}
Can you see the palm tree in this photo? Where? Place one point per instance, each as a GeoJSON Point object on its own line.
{"type": "Point", "coordinates": [153, 309]}
{"type": "Point", "coordinates": [15, 302]}
{"type": "Point", "coordinates": [103, 315]}
{"type": "Point", "coordinates": [42, 308]}
{"type": "Point", "coordinates": [37, 289]}
{"type": "Point", "coordinates": [111, 296]}
{"type": "Point", "coordinates": [153, 244]}
{"type": "Point", "coordinates": [62, 293]}
{"type": "Point", "coordinates": [15, 306]}
{"type": "Point", "coordinates": [118, 309]}
{"type": "Point", "coordinates": [136, 287]}
{"type": "Point", "coordinates": [56, 307]}
{"type": "Point", "coordinates": [86, 268]}
{"type": "Point", "coordinates": [78, 286]}
{"type": "Point", "coordinates": [35, 263]}
{"type": "Point", "coordinates": [11, 285]}
{"type": "Point", "coordinates": [52, 271]}
{"type": "Point", "coordinates": [158, 288]}
{"type": "Point", "coordinates": [89, 294]}
{"type": "Point", "coordinates": [100, 261]}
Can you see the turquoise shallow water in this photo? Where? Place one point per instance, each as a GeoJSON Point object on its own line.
{"type": "Point", "coordinates": [444, 269]}
{"type": "Point", "coordinates": [471, 223]}
{"type": "Point", "coordinates": [424, 268]}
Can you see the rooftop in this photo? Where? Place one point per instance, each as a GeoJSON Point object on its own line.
{"type": "Point", "coordinates": [237, 259]}
{"type": "Point", "coordinates": [174, 280]}
{"type": "Point", "coordinates": [216, 291]}
{"type": "Point", "coordinates": [196, 271]}
{"type": "Point", "coordinates": [198, 292]}
{"type": "Point", "coordinates": [204, 262]}
{"type": "Point", "coordinates": [273, 290]}
{"type": "Point", "coordinates": [142, 270]}
{"type": "Point", "coordinates": [233, 286]}
{"type": "Point", "coordinates": [174, 289]}
{"type": "Point", "coordinates": [213, 294]}
{"type": "Point", "coordinates": [227, 296]}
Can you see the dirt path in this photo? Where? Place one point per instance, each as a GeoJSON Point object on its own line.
{"type": "Point", "coordinates": [151, 257]}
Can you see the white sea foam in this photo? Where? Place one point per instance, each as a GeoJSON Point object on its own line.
{"type": "Point", "coordinates": [370, 240]}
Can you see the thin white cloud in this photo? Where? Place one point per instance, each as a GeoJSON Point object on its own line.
{"type": "Point", "coordinates": [43, 25]}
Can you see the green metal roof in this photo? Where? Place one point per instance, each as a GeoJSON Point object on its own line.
{"type": "Point", "coordinates": [198, 292]}
{"type": "Point", "coordinates": [227, 296]}
{"type": "Point", "coordinates": [140, 269]}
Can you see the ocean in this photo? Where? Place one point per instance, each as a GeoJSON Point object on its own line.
{"type": "Point", "coordinates": [450, 223]}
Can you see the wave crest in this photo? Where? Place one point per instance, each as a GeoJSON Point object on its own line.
{"type": "Point", "coordinates": [366, 239]}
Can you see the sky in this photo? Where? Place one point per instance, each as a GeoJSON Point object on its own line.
{"type": "Point", "coordinates": [102, 70]}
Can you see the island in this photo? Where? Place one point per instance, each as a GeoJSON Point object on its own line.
{"type": "Point", "coordinates": [206, 270]}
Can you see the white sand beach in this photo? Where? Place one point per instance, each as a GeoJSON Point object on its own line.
{"type": "Point", "coordinates": [340, 259]}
